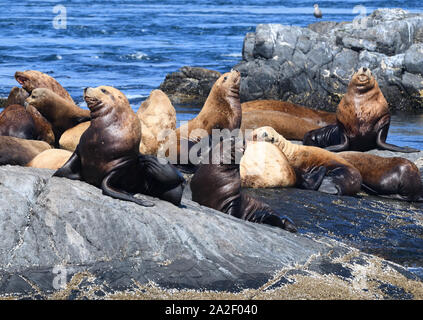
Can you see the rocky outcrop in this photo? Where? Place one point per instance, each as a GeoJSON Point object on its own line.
{"type": "Point", "coordinates": [189, 85]}
{"type": "Point", "coordinates": [64, 239]}
{"type": "Point", "coordinates": [312, 66]}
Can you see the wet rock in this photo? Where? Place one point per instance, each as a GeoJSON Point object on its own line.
{"type": "Point", "coordinates": [63, 239]}
{"type": "Point", "coordinates": [312, 66]}
{"type": "Point", "coordinates": [189, 85]}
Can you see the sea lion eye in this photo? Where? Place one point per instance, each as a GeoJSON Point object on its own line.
{"type": "Point", "coordinates": [104, 90]}
{"type": "Point", "coordinates": [225, 78]}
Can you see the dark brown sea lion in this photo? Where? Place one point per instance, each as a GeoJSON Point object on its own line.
{"type": "Point", "coordinates": [395, 177]}
{"type": "Point", "coordinates": [363, 119]}
{"type": "Point", "coordinates": [108, 156]}
{"type": "Point", "coordinates": [15, 121]}
{"type": "Point", "coordinates": [217, 185]}
{"type": "Point", "coordinates": [17, 96]}
{"type": "Point", "coordinates": [32, 79]}
{"type": "Point", "coordinates": [316, 168]}
{"type": "Point", "coordinates": [43, 128]}
{"type": "Point", "coordinates": [16, 151]}
{"type": "Point", "coordinates": [61, 113]}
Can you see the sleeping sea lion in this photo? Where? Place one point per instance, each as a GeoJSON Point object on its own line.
{"type": "Point", "coordinates": [217, 185]}
{"type": "Point", "coordinates": [395, 177]}
{"type": "Point", "coordinates": [61, 113]}
{"type": "Point", "coordinates": [16, 151]}
{"type": "Point", "coordinates": [32, 79]}
{"type": "Point", "coordinates": [316, 168]}
{"type": "Point", "coordinates": [363, 119]}
{"type": "Point", "coordinates": [50, 159]}
{"type": "Point", "coordinates": [17, 96]}
{"type": "Point", "coordinates": [108, 156]}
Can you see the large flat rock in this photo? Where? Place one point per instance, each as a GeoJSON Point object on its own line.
{"type": "Point", "coordinates": [108, 248]}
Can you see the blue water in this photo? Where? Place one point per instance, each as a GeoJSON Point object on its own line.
{"type": "Point", "coordinates": [132, 45]}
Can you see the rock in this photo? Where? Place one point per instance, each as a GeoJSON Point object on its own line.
{"type": "Point", "coordinates": [190, 85]}
{"type": "Point", "coordinates": [63, 239]}
{"type": "Point", "coordinates": [313, 66]}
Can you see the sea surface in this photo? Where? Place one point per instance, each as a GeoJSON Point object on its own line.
{"type": "Point", "coordinates": [132, 45]}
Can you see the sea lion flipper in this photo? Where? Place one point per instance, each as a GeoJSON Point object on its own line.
{"type": "Point", "coordinates": [71, 169]}
{"type": "Point", "coordinates": [274, 219]}
{"type": "Point", "coordinates": [313, 179]}
{"type": "Point", "coordinates": [342, 146]}
{"type": "Point", "coordinates": [109, 190]}
{"type": "Point", "coordinates": [381, 143]}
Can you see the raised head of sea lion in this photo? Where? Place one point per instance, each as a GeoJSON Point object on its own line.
{"type": "Point", "coordinates": [17, 96]}
{"type": "Point", "coordinates": [32, 79]}
{"type": "Point", "coordinates": [61, 113]}
{"type": "Point", "coordinates": [217, 185]}
{"type": "Point", "coordinates": [363, 119]}
{"type": "Point", "coordinates": [316, 168]}
{"type": "Point", "coordinates": [394, 177]}
{"type": "Point", "coordinates": [108, 157]}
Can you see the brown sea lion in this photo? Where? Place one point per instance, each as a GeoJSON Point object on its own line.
{"type": "Point", "coordinates": [157, 115]}
{"type": "Point", "coordinates": [291, 127]}
{"type": "Point", "coordinates": [217, 185]}
{"type": "Point", "coordinates": [15, 121]}
{"type": "Point", "coordinates": [108, 156]}
{"type": "Point", "coordinates": [263, 165]}
{"type": "Point", "coordinates": [17, 96]}
{"type": "Point", "coordinates": [32, 79]}
{"type": "Point", "coordinates": [50, 159]}
{"type": "Point", "coordinates": [222, 110]}
{"type": "Point", "coordinates": [395, 177]}
{"type": "Point", "coordinates": [70, 138]}
{"type": "Point", "coordinates": [61, 113]}
{"type": "Point", "coordinates": [16, 151]}
{"type": "Point", "coordinates": [363, 119]}
{"type": "Point", "coordinates": [43, 128]}
{"type": "Point", "coordinates": [316, 117]}
{"type": "Point", "coordinates": [316, 168]}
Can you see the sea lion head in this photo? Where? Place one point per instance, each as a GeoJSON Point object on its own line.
{"type": "Point", "coordinates": [32, 79]}
{"type": "Point", "coordinates": [268, 134]}
{"type": "Point", "coordinates": [229, 83]}
{"type": "Point", "coordinates": [363, 79]}
{"type": "Point", "coordinates": [38, 97]}
{"type": "Point", "coordinates": [104, 98]}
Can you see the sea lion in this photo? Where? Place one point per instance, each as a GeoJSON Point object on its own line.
{"type": "Point", "coordinates": [50, 159]}
{"type": "Point", "coordinates": [61, 113]}
{"type": "Point", "coordinates": [222, 110]}
{"type": "Point", "coordinates": [70, 138]}
{"type": "Point", "coordinates": [32, 79]}
{"type": "Point", "coordinates": [157, 115]}
{"type": "Point", "coordinates": [17, 96]}
{"type": "Point", "coordinates": [43, 128]}
{"type": "Point", "coordinates": [317, 117]}
{"type": "Point", "coordinates": [263, 165]}
{"type": "Point", "coordinates": [394, 177]}
{"type": "Point", "coordinates": [16, 151]}
{"type": "Point", "coordinates": [15, 121]}
{"type": "Point", "coordinates": [108, 156]}
{"type": "Point", "coordinates": [217, 185]}
{"type": "Point", "coordinates": [291, 127]}
{"type": "Point", "coordinates": [363, 119]}
{"type": "Point", "coordinates": [316, 168]}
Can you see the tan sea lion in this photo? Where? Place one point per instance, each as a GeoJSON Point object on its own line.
{"type": "Point", "coordinates": [61, 113]}
{"type": "Point", "coordinates": [263, 165]}
{"type": "Point", "coordinates": [315, 168]}
{"type": "Point", "coordinates": [394, 177]}
{"type": "Point", "coordinates": [222, 109]}
{"type": "Point", "coordinates": [108, 156]}
{"type": "Point", "coordinates": [70, 138]}
{"type": "Point", "coordinates": [156, 114]}
{"type": "Point", "coordinates": [50, 159]}
{"type": "Point", "coordinates": [32, 79]}
{"type": "Point", "coordinates": [217, 185]}
{"type": "Point", "coordinates": [17, 96]}
{"type": "Point", "coordinates": [16, 151]}
{"type": "Point", "coordinates": [363, 119]}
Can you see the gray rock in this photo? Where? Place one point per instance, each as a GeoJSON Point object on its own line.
{"type": "Point", "coordinates": [64, 239]}
{"type": "Point", "coordinates": [323, 57]}
{"type": "Point", "coordinates": [190, 85]}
